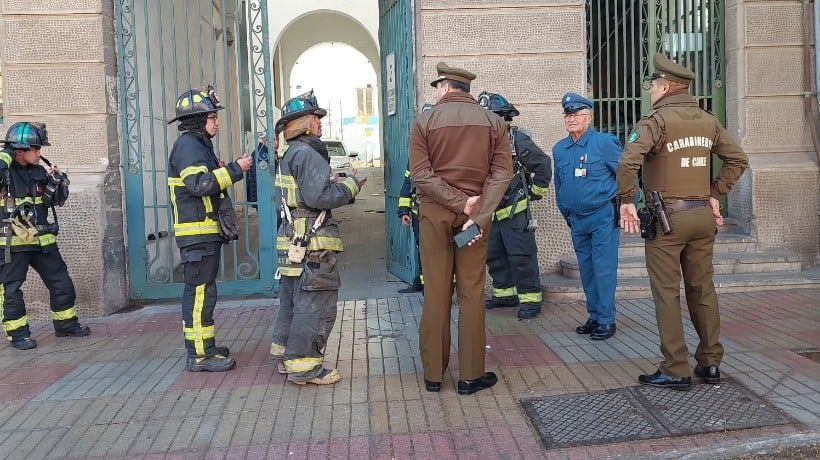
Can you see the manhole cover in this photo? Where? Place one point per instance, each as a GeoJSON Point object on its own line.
{"type": "Point", "coordinates": [637, 413]}
{"type": "Point", "coordinates": [704, 408]}
{"type": "Point", "coordinates": [591, 418]}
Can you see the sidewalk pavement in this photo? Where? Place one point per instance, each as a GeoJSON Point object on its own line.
{"type": "Point", "coordinates": [122, 392]}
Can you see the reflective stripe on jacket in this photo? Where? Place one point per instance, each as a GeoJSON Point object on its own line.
{"type": "Point", "coordinates": [196, 182]}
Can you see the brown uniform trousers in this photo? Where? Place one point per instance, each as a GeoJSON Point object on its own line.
{"type": "Point", "coordinates": [688, 249]}
{"type": "Point", "coordinates": [440, 259]}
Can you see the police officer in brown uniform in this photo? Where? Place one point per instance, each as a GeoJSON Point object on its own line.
{"type": "Point", "coordinates": [674, 144]}
{"type": "Point", "coordinates": [461, 163]}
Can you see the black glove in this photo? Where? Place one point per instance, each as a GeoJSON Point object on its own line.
{"type": "Point", "coordinates": [226, 216]}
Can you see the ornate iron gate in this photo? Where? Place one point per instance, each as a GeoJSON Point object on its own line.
{"type": "Point", "coordinates": [622, 37]}
{"type": "Point", "coordinates": [166, 47]}
{"type": "Point", "coordinates": [396, 40]}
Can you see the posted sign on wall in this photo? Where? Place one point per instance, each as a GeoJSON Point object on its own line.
{"type": "Point", "coordinates": [390, 66]}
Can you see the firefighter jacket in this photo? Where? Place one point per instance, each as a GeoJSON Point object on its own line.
{"type": "Point", "coordinates": [197, 182]}
{"type": "Point", "coordinates": [407, 196]}
{"type": "Point", "coordinates": [25, 224]}
{"type": "Point", "coordinates": [304, 183]}
{"type": "Point", "coordinates": [533, 172]}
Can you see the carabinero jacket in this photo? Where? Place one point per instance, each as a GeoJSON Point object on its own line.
{"type": "Point", "coordinates": [197, 182]}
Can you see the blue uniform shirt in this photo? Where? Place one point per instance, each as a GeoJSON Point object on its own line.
{"type": "Point", "coordinates": [585, 172]}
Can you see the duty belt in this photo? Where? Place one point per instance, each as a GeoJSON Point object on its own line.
{"type": "Point", "coordinates": [682, 205]}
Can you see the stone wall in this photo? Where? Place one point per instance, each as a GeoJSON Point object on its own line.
{"type": "Point", "coordinates": [59, 67]}
{"type": "Point", "coordinates": [530, 51]}
{"type": "Point", "coordinates": [778, 199]}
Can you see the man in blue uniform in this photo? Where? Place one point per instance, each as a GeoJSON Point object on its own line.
{"type": "Point", "coordinates": [585, 165]}
{"type": "Point", "coordinates": [512, 254]}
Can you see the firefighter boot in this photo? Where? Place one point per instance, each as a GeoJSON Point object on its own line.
{"type": "Point", "coordinates": [24, 343]}
{"type": "Point", "coordinates": [501, 302]}
{"type": "Point", "coordinates": [79, 331]}
{"type": "Point", "coordinates": [326, 377]}
{"type": "Point", "coordinates": [213, 363]}
{"type": "Point", "coordinates": [529, 310]}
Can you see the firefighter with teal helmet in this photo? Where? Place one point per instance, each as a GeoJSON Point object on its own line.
{"type": "Point", "coordinates": [512, 254]}
{"type": "Point", "coordinates": [28, 238]}
{"type": "Point", "coordinates": [308, 241]}
{"type": "Point", "coordinates": [204, 220]}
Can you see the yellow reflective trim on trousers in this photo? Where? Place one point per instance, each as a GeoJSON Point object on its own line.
{"type": "Point", "coordinates": [223, 178]}
{"type": "Point", "coordinates": [505, 212]}
{"type": "Point", "coordinates": [536, 190]}
{"type": "Point", "coordinates": [302, 364]}
{"type": "Point", "coordinates": [191, 171]}
{"type": "Point", "coordinates": [68, 313]}
{"type": "Point", "coordinates": [205, 227]}
{"type": "Point", "coordinates": [404, 201]}
{"type": "Point", "coordinates": [27, 200]}
{"type": "Point", "coordinates": [277, 350]}
{"type": "Point", "coordinates": [529, 297]}
{"type": "Point", "coordinates": [207, 332]}
{"type": "Point", "coordinates": [505, 292]}
{"type": "Point", "coordinates": [199, 301]}
{"type": "Point", "coordinates": [6, 158]}
{"type": "Point", "coordinates": [14, 324]}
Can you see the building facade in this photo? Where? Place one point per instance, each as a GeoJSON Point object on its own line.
{"type": "Point", "coordinates": [72, 66]}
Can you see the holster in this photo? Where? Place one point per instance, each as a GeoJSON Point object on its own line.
{"type": "Point", "coordinates": [648, 229]}
{"type": "Point", "coordinates": [226, 217]}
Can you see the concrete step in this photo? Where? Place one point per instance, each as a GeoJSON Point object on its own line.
{"type": "Point", "coordinates": [632, 245]}
{"type": "Point", "coordinates": [558, 288]}
{"type": "Point", "coordinates": [724, 263]}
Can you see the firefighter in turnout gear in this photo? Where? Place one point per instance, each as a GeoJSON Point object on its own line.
{"type": "Point", "coordinates": [308, 241]}
{"type": "Point", "coordinates": [28, 239]}
{"type": "Point", "coordinates": [204, 220]}
{"type": "Point", "coordinates": [512, 255]}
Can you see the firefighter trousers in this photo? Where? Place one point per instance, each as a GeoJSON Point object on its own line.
{"type": "Point", "coordinates": [512, 257]}
{"type": "Point", "coordinates": [52, 269]}
{"type": "Point", "coordinates": [200, 265]}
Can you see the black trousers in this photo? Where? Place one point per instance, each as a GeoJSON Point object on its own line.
{"type": "Point", "coordinates": [512, 257]}
{"type": "Point", "coordinates": [49, 264]}
{"type": "Point", "coordinates": [200, 265]}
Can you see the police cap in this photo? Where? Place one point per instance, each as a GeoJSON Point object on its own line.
{"type": "Point", "coordinates": [670, 70]}
{"type": "Point", "coordinates": [446, 72]}
{"type": "Point", "coordinates": [573, 102]}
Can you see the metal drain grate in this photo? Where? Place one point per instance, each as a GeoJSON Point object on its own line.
{"type": "Point", "coordinates": [637, 413]}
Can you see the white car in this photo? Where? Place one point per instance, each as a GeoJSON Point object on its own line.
{"type": "Point", "coordinates": [339, 157]}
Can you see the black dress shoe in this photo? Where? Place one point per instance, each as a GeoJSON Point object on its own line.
{"type": "Point", "coordinates": [587, 327]}
{"type": "Point", "coordinates": [433, 387]}
{"type": "Point", "coordinates": [468, 387]}
{"type": "Point", "coordinates": [710, 374]}
{"type": "Point", "coordinates": [412, 288]}
{"type": "Point", "coordinates": [659, 379]}
{"type": "Point", "coordinates": [602, 332]}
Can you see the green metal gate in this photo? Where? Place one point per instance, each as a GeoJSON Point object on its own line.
{"type": "Point", "coordinates": [622, 37]}
{"type": "Point", "coordinates": [166, 47]}
{"type": "Point", "coordinates": [396, 41]}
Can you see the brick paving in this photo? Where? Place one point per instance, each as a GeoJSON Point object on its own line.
{"type": "Point", "coordinates": [122, 392]}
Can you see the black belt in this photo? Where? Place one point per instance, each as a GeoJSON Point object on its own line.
{"type": "Point", "coordinates": [682, 205]}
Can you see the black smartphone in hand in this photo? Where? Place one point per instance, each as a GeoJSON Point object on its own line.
{"type": "Point", "coordinates": [462, 238]}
